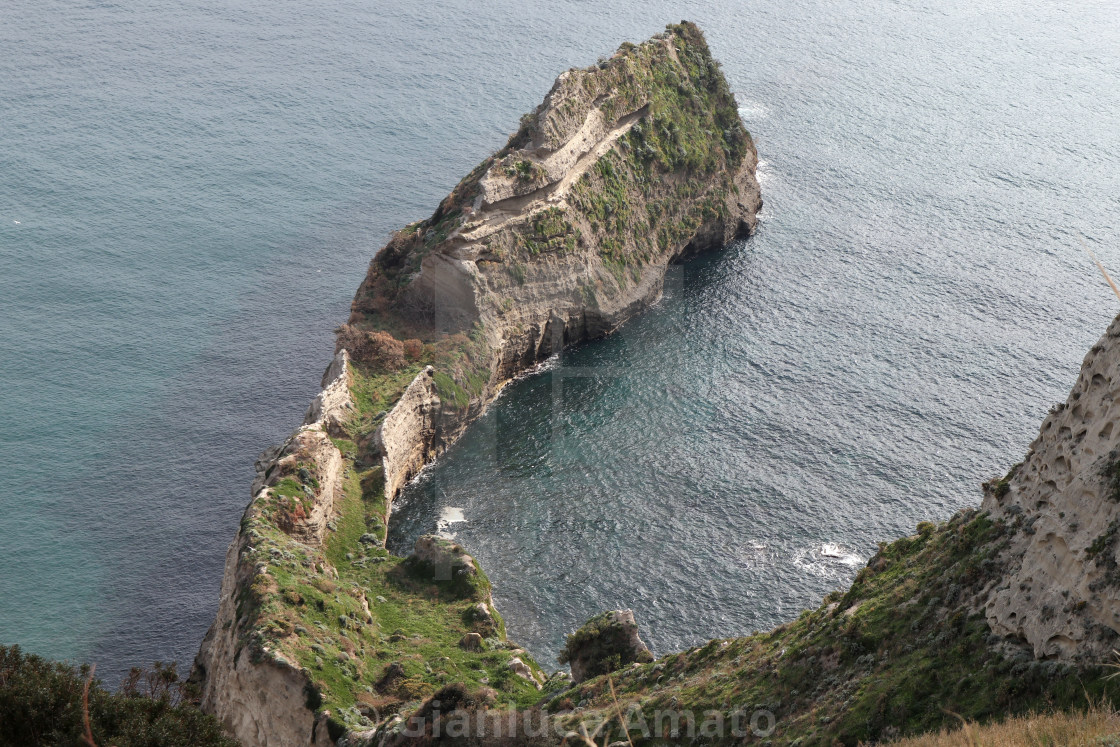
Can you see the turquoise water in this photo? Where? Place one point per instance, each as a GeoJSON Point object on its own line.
{"type": "Point", "coordinates": [190, 193]}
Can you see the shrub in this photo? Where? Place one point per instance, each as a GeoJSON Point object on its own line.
{"type": "Point", "coordinates": [379, 350]}
{"type": "Point", "coordinates": [413, 349]}
{"type": "Point", "coordinates": [41, 703]}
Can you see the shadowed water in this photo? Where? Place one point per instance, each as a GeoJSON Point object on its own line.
{"type": "Point", "coordinates": [190, 193]}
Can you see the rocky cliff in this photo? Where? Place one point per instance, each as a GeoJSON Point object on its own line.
{"type": "Point", "coordinates": [559, 237]}
{"type": "Point", "coordinates": [322, 635]}
{"type": "Point", "coordinates": [259, 694]}
{"type": "Point", "coordinates": [1062, 591]}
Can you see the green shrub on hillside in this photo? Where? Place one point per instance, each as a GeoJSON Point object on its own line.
{"type": "Point", "coordinates": [41, 703]}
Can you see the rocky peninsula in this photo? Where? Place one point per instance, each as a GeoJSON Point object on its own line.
{"type": "Point", "coordinates": [321, 634]}
{"type": "Point", "coordinates": [323, 637]}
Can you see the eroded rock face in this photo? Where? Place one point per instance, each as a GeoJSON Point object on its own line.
{"type": "Point", "coordinates": [604, 643]}
{"type": "Point", "coordinates": [261, 697]}
{"type": "Point", "coordinates": [1063, 592]}
{"type": "Point", "coordinates": [625, 168]}
{"type": "Point", "coordinates": [407, 435]}
{"type": "Point", "coordinates": [333, 404]}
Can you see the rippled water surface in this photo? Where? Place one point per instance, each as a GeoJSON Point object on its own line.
{"type": "Point", "coordinates": [190, 193]}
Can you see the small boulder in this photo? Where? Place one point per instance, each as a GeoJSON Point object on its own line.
{"type": "Point", "coordinates": [604, 643]}
{"type": "Point", "coordinates": [471, 642]}
{"type": "Point", "coordinates": [521, 669]}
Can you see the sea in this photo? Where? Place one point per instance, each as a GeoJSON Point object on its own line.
{"type": "Point", "coordinates": [190, 193]}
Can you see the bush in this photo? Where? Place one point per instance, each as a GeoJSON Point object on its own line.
{"type": "Point", "coordinates": [41, 703]}
{"type": "Point", "coordinates": [413, 349]}
{"type": "Point", "coordinates": [379, 350]}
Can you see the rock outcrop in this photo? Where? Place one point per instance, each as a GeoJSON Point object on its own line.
{"type": "Point", "coordinates": [1063, 592]}
{"type": "Point", "coordinates": [560, 237]}
{"type": "Point", "coordinates": [606, 642]}
{"type": "Point", "coordinates": [445, 558]}
{"type": "Point", "coordinates": [406, 437]}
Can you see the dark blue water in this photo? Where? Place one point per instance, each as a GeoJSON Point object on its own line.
{"type": "Point", "coordinates": [190, 193]}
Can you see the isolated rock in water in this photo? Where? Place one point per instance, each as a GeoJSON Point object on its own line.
{"type": "Point", "coordinates": [606, 642]}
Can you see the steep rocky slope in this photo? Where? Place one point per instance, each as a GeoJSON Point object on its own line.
{"type": "Point", "coordinates": [561, 236]}
{"type": "Point", "coordinates": [1062, 593]}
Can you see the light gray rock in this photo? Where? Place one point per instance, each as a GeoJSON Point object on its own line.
{"type": "Point", "coordinates": [405, 436]}
{"type": "Point", "coordinates": [1062, 592]}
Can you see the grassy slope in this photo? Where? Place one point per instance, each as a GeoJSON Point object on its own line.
{"type": "Point", "coordinates": [889, 657]}
{"type": "Point", "coordinates": [310, 605]}
{"type": "Point", "coordinates": [1095, 727]}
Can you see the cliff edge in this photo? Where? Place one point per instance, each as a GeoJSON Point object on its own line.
{"type": "Point", "coordinates": [1062, 592]}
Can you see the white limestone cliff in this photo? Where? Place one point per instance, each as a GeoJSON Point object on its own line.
{"type": "Point", "coordinates": [1062, 594]}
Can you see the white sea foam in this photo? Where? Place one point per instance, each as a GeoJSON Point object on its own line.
{"type": "Point", "coordinates": [753, 110]}
{"type": "Point", "coordinates": [447, 516]}
{"type": "Point", "coordinates": [836, 552]}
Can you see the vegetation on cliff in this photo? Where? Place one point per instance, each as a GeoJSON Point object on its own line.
{"type": "Point", "coordinates": [903, 651]}
{"type": "Point", "coordinates": [372, 631]}
{"type": "Point", "coordinates": [49, 703]}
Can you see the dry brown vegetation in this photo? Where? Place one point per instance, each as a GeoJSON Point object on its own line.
{"type": "Point", "coordinates": [378, 349]}
{"type": "Point", "coordinates": [1098, 726]}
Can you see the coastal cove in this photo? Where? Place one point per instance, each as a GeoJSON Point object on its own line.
{"type": "Point", "coordinates": [982, 308]}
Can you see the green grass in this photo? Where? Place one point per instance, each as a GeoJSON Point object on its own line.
{"type": "Point", "coordinates": [308, 606]}
{"type": "Point", "coordinates": [414, 623]}
{"type": "Point", "coordinates": [375, 394]}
